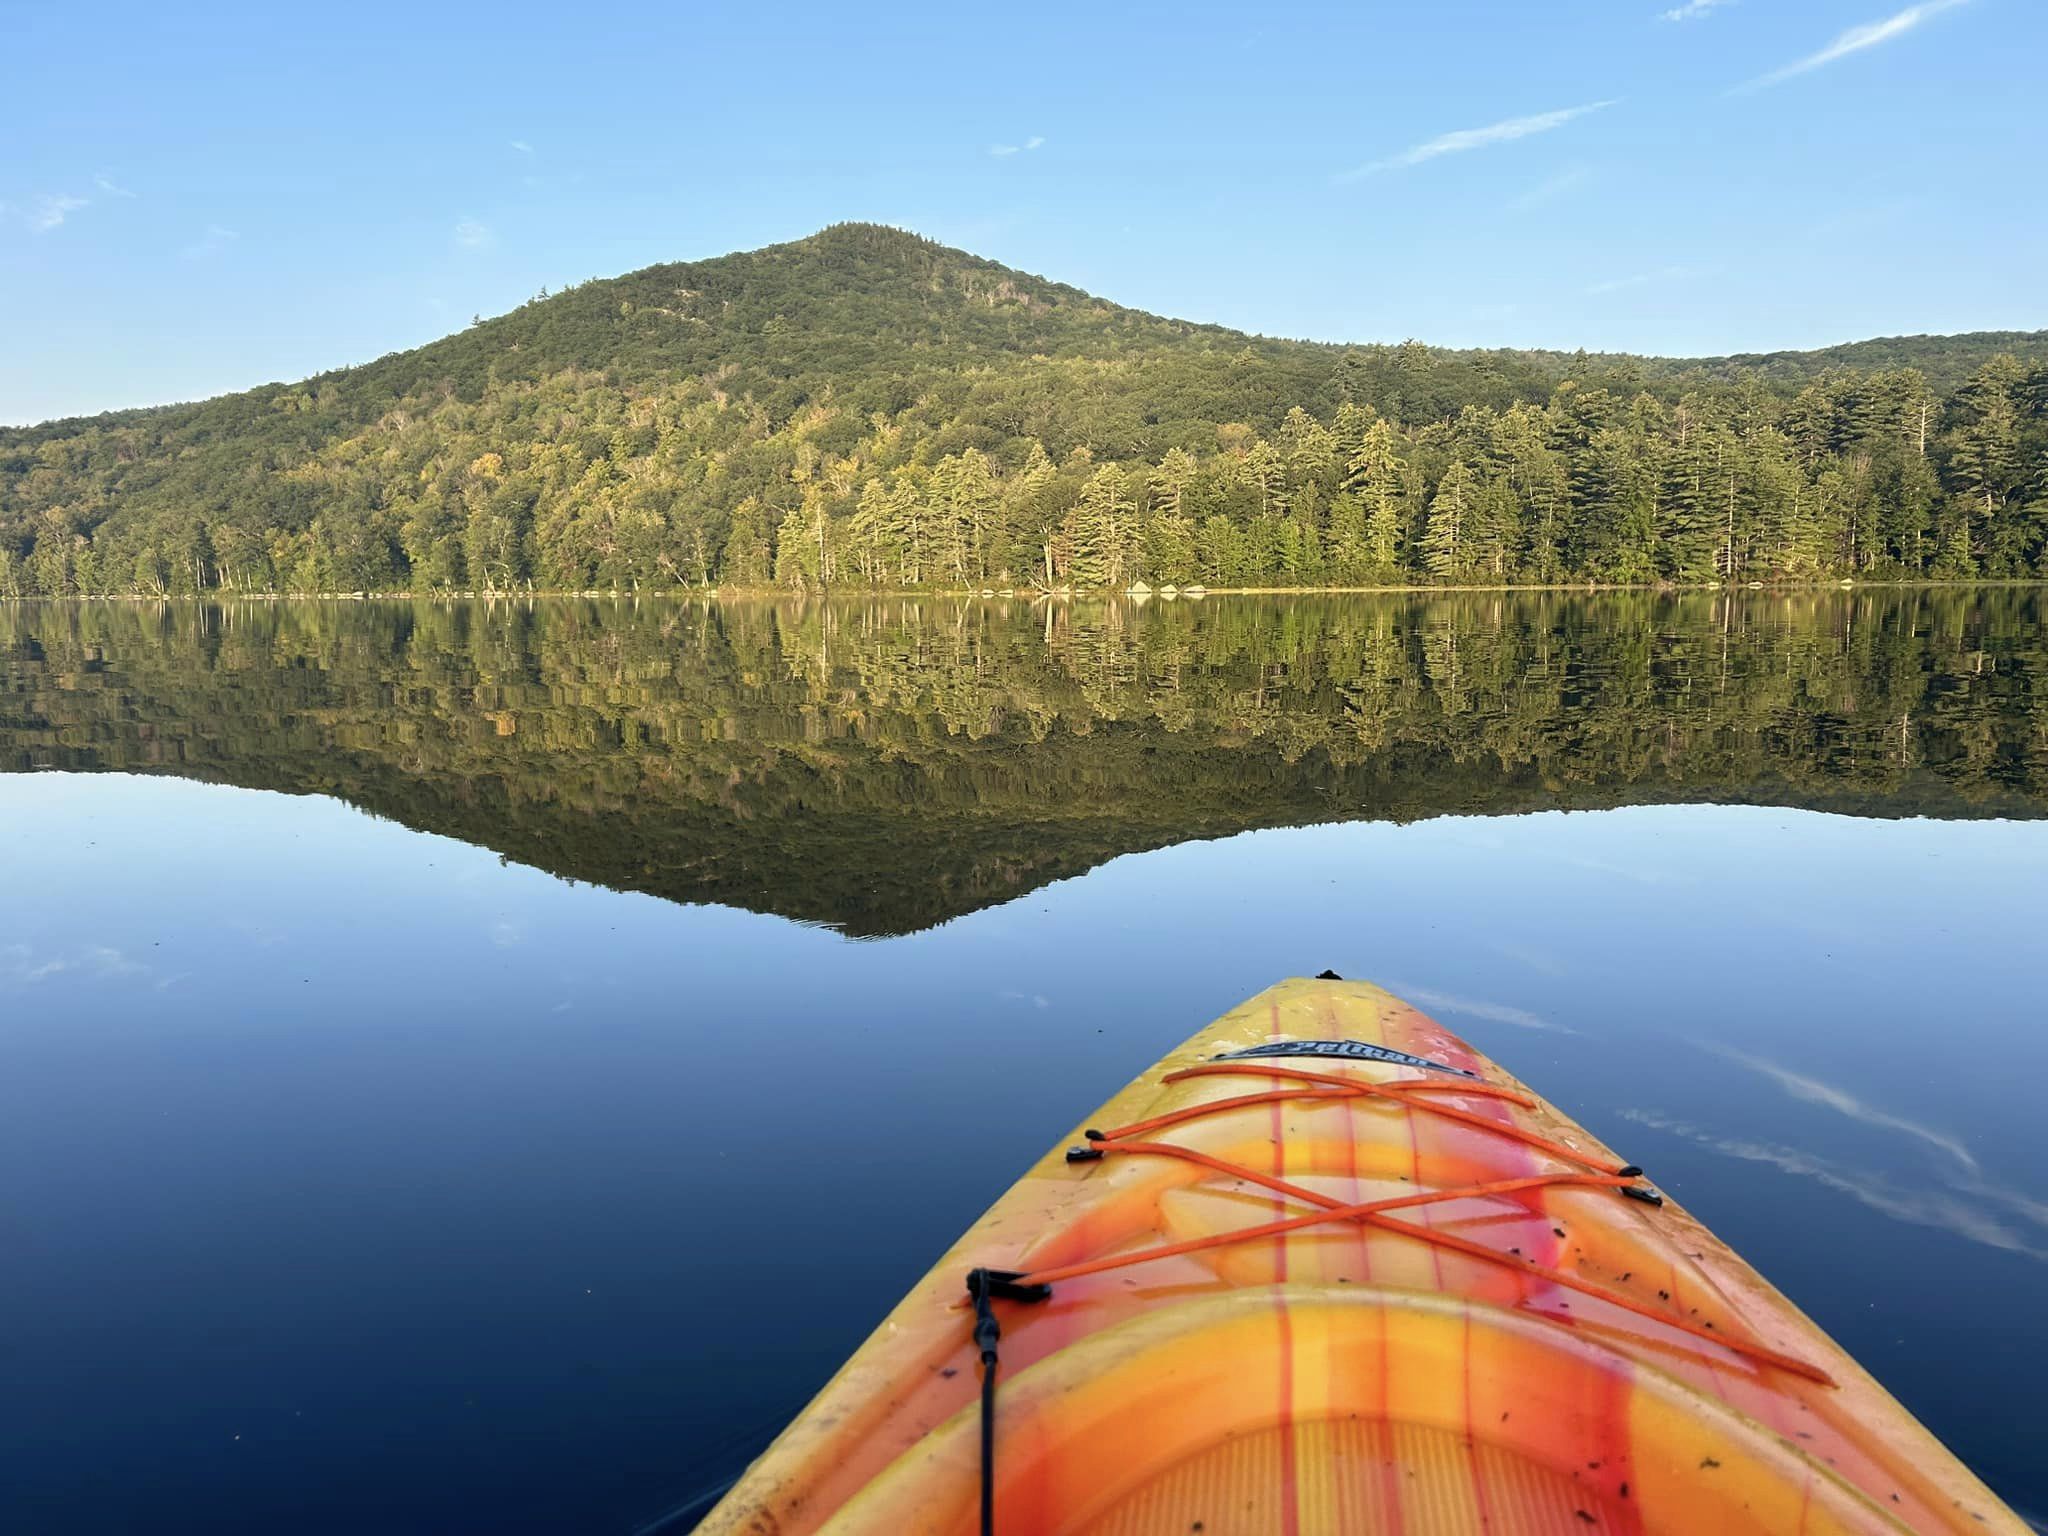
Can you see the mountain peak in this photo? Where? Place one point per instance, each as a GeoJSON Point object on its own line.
{"type": "Point", "coordinates": [729, 419]}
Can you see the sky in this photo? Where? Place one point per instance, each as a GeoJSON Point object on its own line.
{"type": "Point", "coordinates": [199, 199]}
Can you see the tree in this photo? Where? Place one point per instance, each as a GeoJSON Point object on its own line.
{"type": "Point", "coordinates": [1443, 551]}
{"type": "Point", "coordinates": [1984, 445]}
{"type": "Point", "coordinates": [1310, 451]}
{"type": "Point", "coordinates": [745, 559]}
{"type": "Point", "coordinates": [1103, 531]}
{"type": "Point", "coordinates": [149, 572]}
{"type": "Point", "coordinates": [1170, 483]}
{"type": "Point", "coordinates": [49, 564]}
{"type": "Point", "coordinates": [965, 501]}
{"type": "Point", "coordinates": [1954, 558]}
{"type": "Point", "coordinates": [1030, 518]}
{"type": "Point", "coordinates": [805, 553]}
{"type": "Point", "coordinates": [1374, 475]}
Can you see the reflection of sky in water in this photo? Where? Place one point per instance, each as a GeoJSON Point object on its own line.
{"type": "Point", "coordinates": [461, 1194]}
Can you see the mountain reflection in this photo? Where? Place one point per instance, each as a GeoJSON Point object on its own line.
{"type": "Point", "coordinates": [882, 765]}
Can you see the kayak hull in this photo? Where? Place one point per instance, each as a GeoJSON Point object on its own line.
{"type": "Point", "coordinates": [1604, 1364]}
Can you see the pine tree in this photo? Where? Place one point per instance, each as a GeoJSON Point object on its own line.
{"type": "Point", "coordinates": [1031, 521]}
{"type": "Point", "coordinates": [869, 533]}
{"type": "Point", "coordinates": [905, 529]}
{"type": "Point", "coordinates": [1264, 473]}
{"type": "Point", "coordinates": [805, 554]}
{"type": "Point", "coordinates": [1310, 451]}
{"type": "Point", "coordinates": [1954, 559]}
{"type": "Point", "coordinates": [1170, 549]}
{"type": "Point", "coordinates": [1984, 447]}
{"type": "Point", "coordinates": [1347, 433]}
{"type": "Point", "coordinates": [1535, 474]}
{"type": "Point", "coordinates": [744, 562]}
{"type": "Point", "coordinates": [973, 502]}
{"type": "Point", "coordinates": [1103, 531]}
{"type": "Point", "coordinates": [1443, 553]}
{"type": "Point", "coordinates": [1171, 481]}
{"type": "Point", "coordinates": [1375, 476]}
{"type": "Point", "coordinates": [1788, 537]}
{"type": "Point", "coordinates": [1986, 458]}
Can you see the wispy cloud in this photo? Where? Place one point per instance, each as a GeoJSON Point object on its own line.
{"type": "Point", "coordinates": [51, 209]}
{"type": "Point", "coordinates": [211, 242]}
{"type": "Point", "coordinates": [1504, 132]}
{"type": "Point", "coordinates": [1811, 1090]}
{"type": "Point", "coordinates": [1539, 960]}
{"type": "Point", "coordinates": [111, 187]}
{"type": "Point", "coordinates": [1641, 280]}
{"type": "Point", "coordinates": [1641, 874]}
{"type": "Point", "coordinates": [1959, 1204]}
{"type": "Point", "coordinates": [1473, 1008]}
{"type": "Point", "coordinates": [1693, 10]}
{"type": "Point", "coordinates": [473, 234]}
{"type": "Point", "coordinates": [1855, 40]}
{"type": "Point", "coordinates": [109, 961]}
{"type": "Point", "coordinates": [522, 146]}
{"type": "Point", "coordinates": [20, 963]}
{"type": "Point", "coordinates": [1550, 189]}
{"type": "Point", "coordinates": [1017, 149]}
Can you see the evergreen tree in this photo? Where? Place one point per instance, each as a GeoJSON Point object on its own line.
{"type": "Point", "coordinates": [1443, 548]}
{"type": "Point", "coordinates": [1376, 477]}
{"type": "Point", "coordinates": [745, 561]}
{"type": "Point", "coordinates": [1103, 531]}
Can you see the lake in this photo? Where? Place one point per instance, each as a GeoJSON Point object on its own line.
{"type": "Point", "coordinates": [482, 1066]}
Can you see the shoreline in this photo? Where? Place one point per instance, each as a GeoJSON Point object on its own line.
{"type": "Point", "coordinates": [1030, 594]}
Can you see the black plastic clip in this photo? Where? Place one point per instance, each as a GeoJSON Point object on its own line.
{"type": "Point", "coordinates": [986, 1284]}
{"type": "Point", "coordinates": [1084, 1154]}
{"type": "Point", "coordinates": [1328, 976]}
{"type": "Point", "coordinates": [1643, 1193]}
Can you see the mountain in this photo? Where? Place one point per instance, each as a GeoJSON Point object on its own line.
{"type": "Point", "coordinates": [1946, 362]}
{"type": "Point", "coordinates": [867, 407]}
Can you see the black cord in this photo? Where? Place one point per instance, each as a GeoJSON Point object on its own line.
{"type": "Point", "coordinates": [987, 1333]}
{"type": "Point", "coordinates": [983, 1286]}
{"type": "Point", "coordinates": [988, 1444]}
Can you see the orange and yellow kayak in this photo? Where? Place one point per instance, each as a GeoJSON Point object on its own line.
{"type": "Point", "coordinates": [1329, 1269]}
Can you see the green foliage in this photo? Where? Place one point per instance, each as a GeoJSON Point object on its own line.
{"type": "Point", "coordinates": [865, 408]}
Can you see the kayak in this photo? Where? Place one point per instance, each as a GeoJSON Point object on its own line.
{"type": "Point", "coordinates": [1327, 1268]}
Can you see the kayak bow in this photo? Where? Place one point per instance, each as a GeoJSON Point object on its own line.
{"type": "Point", "coordinates": [1329, 1269]}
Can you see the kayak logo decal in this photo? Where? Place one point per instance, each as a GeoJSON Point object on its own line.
{"type": "Point", "coordinates": [1344, 1050]}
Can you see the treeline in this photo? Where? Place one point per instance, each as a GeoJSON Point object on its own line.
{"type": "Point", "coordinates": [568, 485]}
{"type": "Point", "coordinates": [886, 763]}
{"type": "Point", "coordinates": [864, 410]}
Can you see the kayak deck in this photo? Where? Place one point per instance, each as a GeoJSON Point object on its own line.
{"type": "Point", "coordinates": [1501, 1339]}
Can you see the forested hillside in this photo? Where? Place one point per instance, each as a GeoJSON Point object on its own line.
{"type": "Point", "coordinates": [865, 408]}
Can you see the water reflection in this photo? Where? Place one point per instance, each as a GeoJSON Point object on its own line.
{"type": "Point", "coordinates": [1960, 1202]}
{"type": "Point", "coordinates": [881, 766]}
{"type": "Point", "coordinates": [1812, 1091]}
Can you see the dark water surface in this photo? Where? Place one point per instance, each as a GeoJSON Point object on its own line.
{"type": "Point", "coordinates": [518, 1156]}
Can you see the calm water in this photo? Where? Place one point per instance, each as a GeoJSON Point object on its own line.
{"type": "Point", "coordinates": [517, 1155]}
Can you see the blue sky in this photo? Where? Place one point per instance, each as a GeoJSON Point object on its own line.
{"type": "Point", "coordinates": [199, 199]}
